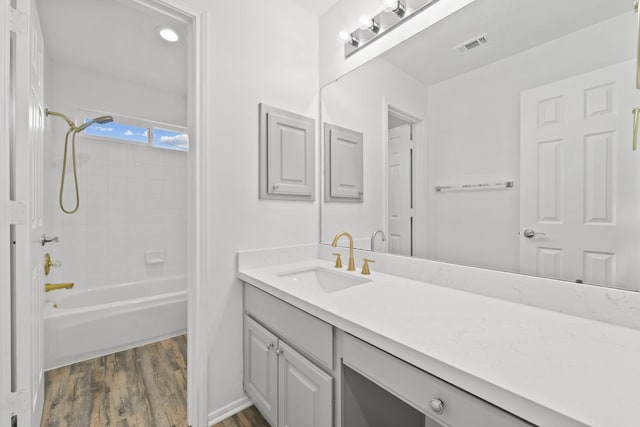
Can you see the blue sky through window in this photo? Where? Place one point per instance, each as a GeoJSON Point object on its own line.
{"type": "Point", "coordinates": [118, 131]}
{"type": "Point", "coordinates": [172, 140]}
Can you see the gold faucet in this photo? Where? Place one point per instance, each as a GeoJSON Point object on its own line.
{"type": "Point", "coordinates": [351, 266]}
{"type": "Point", "coordinates": [55, 286]}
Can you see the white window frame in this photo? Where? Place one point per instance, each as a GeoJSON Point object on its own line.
{"type": "Point", "coordinates": [82, 114]}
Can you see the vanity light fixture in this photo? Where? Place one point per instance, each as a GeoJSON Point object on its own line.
{"type": "Point", "coordinates": [393, 13]}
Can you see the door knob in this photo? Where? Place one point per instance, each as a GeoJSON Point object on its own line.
{"type": "Point", "coordinates": [529, 233]}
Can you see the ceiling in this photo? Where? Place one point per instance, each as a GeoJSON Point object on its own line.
{"type": "Point", "coordinates": [117, 38]}
{"type": "Point", "coordinates": [511, 27]}
{"type": "Point", "coordinates": [317, 7]}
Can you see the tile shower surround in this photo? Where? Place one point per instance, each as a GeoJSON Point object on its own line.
{"type": "Point", "coordinates": [133, 199]}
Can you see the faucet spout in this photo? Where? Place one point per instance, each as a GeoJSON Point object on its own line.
{"type": "Point", "coordinates": [373, 238]}
{"type": "Point", "coordinates": [55, 286]}
{"type": "Point", "coordinates": [351, 266]}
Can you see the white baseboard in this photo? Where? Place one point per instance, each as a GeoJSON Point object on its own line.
{"type": "Point", "coordinates": [229, 410]}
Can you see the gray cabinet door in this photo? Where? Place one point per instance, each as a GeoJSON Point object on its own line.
{"type": "Point", "coordinates": [343, 164]}
{"type": "Point", "coordinates": [287, 155]}
{"type": "Point", "coordinates": [261, 369]}
{"type": "Point", "coordinates": [305, 392]}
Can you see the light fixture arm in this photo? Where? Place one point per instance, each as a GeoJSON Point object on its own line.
{"type": "Point", "coordinates": [400, 9]}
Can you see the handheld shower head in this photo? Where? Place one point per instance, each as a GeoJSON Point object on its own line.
{"type": "Point", "coordinates": [72, 125]}
{"type": "Point", "coordinates": [73, 131]}
{"type": "Point", "coordinates": [100, 120]}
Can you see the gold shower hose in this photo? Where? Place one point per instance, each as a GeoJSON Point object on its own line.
{"type": "Point", "coordinates": [75, 170]}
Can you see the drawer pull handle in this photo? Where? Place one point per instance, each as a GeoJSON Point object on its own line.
{"type": "Point", "coordinates": [437, 406]}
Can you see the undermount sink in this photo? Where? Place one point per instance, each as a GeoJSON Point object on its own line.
{"type": "Point", "coordinates": [327, 280]}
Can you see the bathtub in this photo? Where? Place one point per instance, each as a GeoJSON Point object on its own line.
{"type": "Point", "coordinates": [83, 324]}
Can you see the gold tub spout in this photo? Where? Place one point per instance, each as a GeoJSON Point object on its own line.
{"type": "Point", "coordinates": [55, 286]}
{"type": "Point", "coordinates": [351, 264]}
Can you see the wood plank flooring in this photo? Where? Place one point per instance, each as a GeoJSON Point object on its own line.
{"type": "Point", "coordinates": [142, 387]}
{"type": "Point", "coordinates": [145, 386]}
{"type": "Point", "coordinates": [250, 417]}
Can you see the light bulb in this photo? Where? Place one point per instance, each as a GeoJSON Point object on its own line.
{"type": "Point", "coordinates": [390, 5]}
{"type": "Point", "coordinates": [394, 6]}
{"type": "Point", "coordinates": [368, 24]}
{"type": "Point", "coordinates": [364, 22]}
{"type": "Point", "coordinates": [344, 36]}
{"type": "Point", "coordinates": [348, 38]}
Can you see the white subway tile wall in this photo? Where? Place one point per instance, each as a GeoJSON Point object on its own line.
{"type": "Point", "coordinates": [133, 199]}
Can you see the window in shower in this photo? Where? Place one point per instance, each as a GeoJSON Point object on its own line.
{"type": "Point", "coordinates": [119, 131]}
{"type": "Point", "coordinates": [137, 131]}
{"type": "Point", "coordinates": [172, 140]}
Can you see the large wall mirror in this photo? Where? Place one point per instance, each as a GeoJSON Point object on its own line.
{"type": "Point", "coordinates": [501, 138]}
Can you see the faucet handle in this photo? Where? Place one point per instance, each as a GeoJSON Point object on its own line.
{"type": "Point", "coordinates": [365, 265]}
{"type": "Point", "coordinates": [338, 260]}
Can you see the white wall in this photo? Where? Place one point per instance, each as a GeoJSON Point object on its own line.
{"type": "Point", "coordinates": [344, 15]}
{"type": "Point", "coordinates": [258, 51]}
{"type": "Point", "coordinates": [132, 198]}
{"type": "Point", "coordinates": [358, 101]}
{"type": "Point", "coordinates": [474, 134]}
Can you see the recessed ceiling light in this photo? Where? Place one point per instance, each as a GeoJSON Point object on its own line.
{"type": "Point", "coordinates": [169, 34]}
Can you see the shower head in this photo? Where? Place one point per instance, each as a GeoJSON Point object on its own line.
{"type": "Point", "coordinates": [72, 125]}
{"type": "Point", "coordinates": [100, 120]}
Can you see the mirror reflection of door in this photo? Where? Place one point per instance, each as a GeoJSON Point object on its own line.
{"type": "Point", "coordinates": [400, 186]}
{"type": "Point", "coordinates": [579, 131]}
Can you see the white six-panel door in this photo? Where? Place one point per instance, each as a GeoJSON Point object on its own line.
{"type": "Point", "coordinates": [28, 175]}
{"type": "Point", "coordinates": [399, 174]}
{"type": "Point", "coordinates": [579, 179]}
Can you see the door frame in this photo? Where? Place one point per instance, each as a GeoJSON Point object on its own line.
{"type": "Point", "coordinates": [5, 263]}
{"type": "Point", "coordinates": [418, 177]}
{"type": "Point", "coordinates": [199, 207]}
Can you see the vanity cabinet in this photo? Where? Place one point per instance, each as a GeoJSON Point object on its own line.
{"type": "Point", "coordinates": [442, 403]}
{"type": "Point", "coordinates": [289, 374]}
{"type": "Point", "coordinates": [282, 376]}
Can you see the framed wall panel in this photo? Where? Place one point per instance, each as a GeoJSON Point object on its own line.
{"type": "Point", "coordinates": [287, 155]}
{"type": "Point", "coordinates": [343, 164]}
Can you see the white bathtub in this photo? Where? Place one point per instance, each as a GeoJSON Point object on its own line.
{"type": "Point", "coordinates": [83, 324]}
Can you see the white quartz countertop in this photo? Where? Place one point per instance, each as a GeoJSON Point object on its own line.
{"type": "Point", "coordinates": [549, 368]}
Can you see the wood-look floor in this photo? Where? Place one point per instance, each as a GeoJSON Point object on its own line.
{"type": "Point", "coordinates": [142, 387]}
{"type": "Point", "coordinates": [145, 386]}
{"type": "Point", "coordinates": [250, 417]}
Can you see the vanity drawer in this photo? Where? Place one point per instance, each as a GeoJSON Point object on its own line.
{"type": "Point", "coordinates": [418, 388]}
{"type": "Point", "coordinates": [298, 328]}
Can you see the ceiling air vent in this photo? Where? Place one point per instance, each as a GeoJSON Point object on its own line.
{"type": "Point", "coordinates": [462, 48]}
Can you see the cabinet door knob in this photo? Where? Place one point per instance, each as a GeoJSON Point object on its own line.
{"type": "Point", "coordinates": [279, 352]}
{"type": "Point", "coordinates": [437, 406]}
{"type": "Point", "coordinates": [270, 346]}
